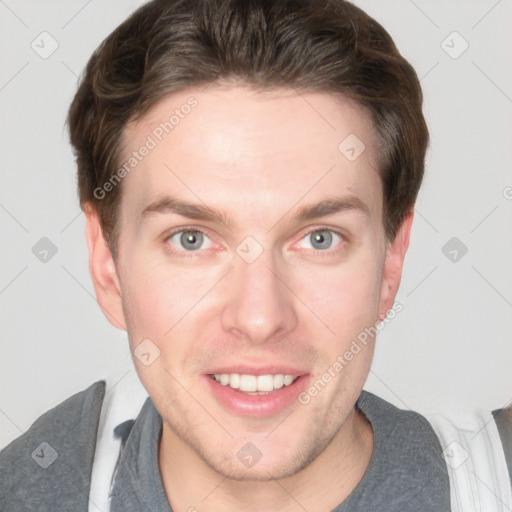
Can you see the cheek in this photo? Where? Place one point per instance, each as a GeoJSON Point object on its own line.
{"type": "Point", "coordinates": [345, 298]}
{"type": "Point", "coordinates": [156, 298]}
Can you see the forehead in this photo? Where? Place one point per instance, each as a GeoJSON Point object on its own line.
{"type": "Point", "coordinates": [235, 145]}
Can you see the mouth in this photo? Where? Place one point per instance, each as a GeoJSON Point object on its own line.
{"type": "Point", "coordinates": [254, 384]}
{"type": "Point", "coordinates": [257, 396]}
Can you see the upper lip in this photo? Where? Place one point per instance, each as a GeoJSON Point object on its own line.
{"type": "Point", "coordinates": [260, 370]}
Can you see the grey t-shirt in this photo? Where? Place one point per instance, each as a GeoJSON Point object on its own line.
{"type": "Point", "coordinates": [407, 472]}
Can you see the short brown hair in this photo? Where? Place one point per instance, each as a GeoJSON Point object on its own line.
{"type": "Point", "coordinates": [310, 45]}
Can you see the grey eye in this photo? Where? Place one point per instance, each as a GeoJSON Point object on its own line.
{"type": "Point", "coordinates": [321, 239]}
{"type": "Point", "coordinates": [189, 240]}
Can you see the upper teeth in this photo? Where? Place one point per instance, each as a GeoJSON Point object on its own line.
{"type": "Point", "coordinates": [251, 383]}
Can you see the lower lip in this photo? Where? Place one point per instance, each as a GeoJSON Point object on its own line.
{"type": "Point", "coordinates": [257, 406]}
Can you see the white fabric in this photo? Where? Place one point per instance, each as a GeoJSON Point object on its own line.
{"type": "Point", "coordinates": [123, 401]}
{"type": "Point", "coordinates": [474, 456]}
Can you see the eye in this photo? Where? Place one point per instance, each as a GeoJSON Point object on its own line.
{"type": "Point", "coordinates": [189, 240]}
{"type": "Point", "coordinates": [322, 239]}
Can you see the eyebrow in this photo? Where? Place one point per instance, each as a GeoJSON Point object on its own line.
{"type": "Point", "coordinates": [329, 206]}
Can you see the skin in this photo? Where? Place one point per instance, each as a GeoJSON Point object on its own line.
{"type": "Point", "coordinates": [258, 157]}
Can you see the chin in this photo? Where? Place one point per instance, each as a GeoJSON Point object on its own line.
{"type": "Point", "coordinates": [264, 473]}
{"type": "Point", "coordinates": [278, 466]}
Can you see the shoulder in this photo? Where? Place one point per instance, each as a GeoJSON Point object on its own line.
{"type": "Point", "coordinates": [476, 446]}
{"type": "Point", "coordinates": [51, 462]}
{"type": "Point", "coordinates": [397, 423]}
{"type": "Point", "coordinates": [408, 458]}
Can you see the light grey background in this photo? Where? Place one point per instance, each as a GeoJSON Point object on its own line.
{"type": "Point", "coordinates": [448, 350]}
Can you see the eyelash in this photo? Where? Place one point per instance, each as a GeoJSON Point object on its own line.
{"type": "Point", "coordinates": [192, 254]}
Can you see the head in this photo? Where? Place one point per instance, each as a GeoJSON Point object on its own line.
{"type": "Point", "coordinates": [248, 171]}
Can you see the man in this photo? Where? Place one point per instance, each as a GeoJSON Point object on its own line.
{"type": "Point", "coordinates": [248, 171]}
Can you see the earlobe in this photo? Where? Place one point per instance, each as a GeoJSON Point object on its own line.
{"type": "Point", "coordinates": [395, 255]}
{"type": "Point", "coordinates": [103, 270]}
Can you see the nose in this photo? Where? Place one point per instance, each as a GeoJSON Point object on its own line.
{"type": "Point", "coordinates": [259, 305]}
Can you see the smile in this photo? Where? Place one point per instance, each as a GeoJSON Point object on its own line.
{"type": "Point", "coordinates": [254, 384]}
{"type": "Point", "coordinates": [256, 396]}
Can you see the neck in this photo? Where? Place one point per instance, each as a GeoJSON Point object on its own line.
{"type": "Point", "coordinates": [191, 484]}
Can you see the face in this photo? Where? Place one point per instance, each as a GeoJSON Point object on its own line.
{"type": "Point", "coordinates": [251, 249]}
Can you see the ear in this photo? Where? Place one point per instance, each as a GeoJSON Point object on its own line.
{"type": "Point", "coordinates": [395, 255]}
{"type": "Point", "coordinates": [103, 270]}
